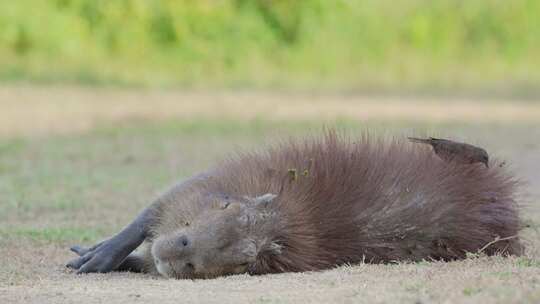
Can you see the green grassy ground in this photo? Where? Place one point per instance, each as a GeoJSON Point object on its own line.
{"type": "Point", "coordinates": [361, 44]}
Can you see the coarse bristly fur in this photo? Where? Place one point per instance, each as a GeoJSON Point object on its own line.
{"type": "Point", "coordinates": [333, 200]}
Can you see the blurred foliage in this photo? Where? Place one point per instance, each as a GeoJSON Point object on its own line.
{"type": "Point", "coordinates": [266, 43]}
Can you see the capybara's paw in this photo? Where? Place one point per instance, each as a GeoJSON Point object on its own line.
{"type": "Point", "coordinates": [99, 258]}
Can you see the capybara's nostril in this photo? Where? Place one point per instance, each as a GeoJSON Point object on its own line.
{"type": "Point", "coordinates": [183, 241]}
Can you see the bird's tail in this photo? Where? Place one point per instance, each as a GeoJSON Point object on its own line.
{"type": "Point", "coordinates": [419, 140]}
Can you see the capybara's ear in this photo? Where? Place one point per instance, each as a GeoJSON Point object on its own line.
{"type": "Point", "coordinates": [263, 200]}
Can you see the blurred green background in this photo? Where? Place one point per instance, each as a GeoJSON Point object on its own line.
{"type": "Point", "coordinates": [416, 45]}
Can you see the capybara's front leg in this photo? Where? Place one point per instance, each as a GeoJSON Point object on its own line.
{"type": "Point", "coordinates": [108, 255]}
{"type": "Point", "coordinates": [134, 262]}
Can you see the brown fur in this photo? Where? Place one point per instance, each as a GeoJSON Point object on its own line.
{"type": "Point", "coordinates": [338, 201]}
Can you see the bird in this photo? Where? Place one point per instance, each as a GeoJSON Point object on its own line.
{"type": "Point", "coordinates": [458, 152]}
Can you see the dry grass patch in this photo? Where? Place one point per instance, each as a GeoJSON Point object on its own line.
{"type": "Point", "coordinates": [33, 274]}
{"type": "Point", "coordinates": [43, 110]}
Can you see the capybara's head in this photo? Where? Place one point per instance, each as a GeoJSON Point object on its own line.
{"type": "Point", "coordinates": [224, 239]}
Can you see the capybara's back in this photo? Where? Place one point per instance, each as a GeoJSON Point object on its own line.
{"type": "Point", "coordinates": [335, 200]}
{"type": "Point", "coordinates": [344, 200]}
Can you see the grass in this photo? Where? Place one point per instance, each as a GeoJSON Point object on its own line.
{"type": "Point", "coordinates": [527, 262]}
{"type": "Point", "coordinates": [74, 109]}
{"type": "Point", "coordinates": [53, 234]}
{"type": "Point", "coordinates": [70, 185]}
{"type": "Point", "coordinates": [414, 45]}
